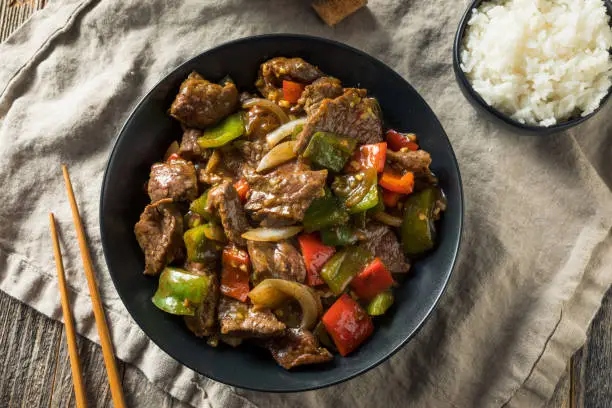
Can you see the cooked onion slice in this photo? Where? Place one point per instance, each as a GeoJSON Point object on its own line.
{"type": "Point", "coordinates": [269, 105]}
{"type": "Point", "coordinates": [388, 219]}
{"type": "Point", "coordinates": [173, 148]}
{"type": "Point", "coordinates": [271, 234]}
{"type": "Point", "coordinates": [272, 292]}
{"type": "Point", "coordinates": [282, 132]}
{"type": "Point", "coordinates": [278, 155]}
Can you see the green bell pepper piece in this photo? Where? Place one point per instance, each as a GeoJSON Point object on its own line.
{"type": "Point", "coordinates": [369, 201]}
{"type": "Point", "coordinates": [179, 292]}
{"type": "Point", "coordinates": [343, 266]}
{"type": "Point", "coordinates": [200, 206]}
{"type": "Point", "coordinates": [379, 305]}
{"type": "Point", "coordinates": [380, 206]}
{"type": "Point", "coordinates": [360, 220]}
{"type": "Point", "coordinates": [418, 230]}
{"type": "Point", "coordinates": [199, 247]}
{"type": "Point", "coordinates": [330, 150]}
{"type": "Point", "coordinates": [324, 338]}
{"type": "Point", "coordinates": [229, 129]}
{"type": "Point", "coordinates": [324, 212]}
{"type": "Point", "coordinates": [340, 235]}
{"type": "Point", "coordinates": [296, 132]}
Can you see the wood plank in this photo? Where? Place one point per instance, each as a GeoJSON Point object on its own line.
{"type": "Point", "coordinates": [13, 13]}
{"type": "Point", "coordinates": [560, 399]}
{"type": "Point", "coordinates": [94, 376]}
{"type": "Point", "coordinates": [28, 349]}
{"type": "Point", "coordinates": [592, 365]}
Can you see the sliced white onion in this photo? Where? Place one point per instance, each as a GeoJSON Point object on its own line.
{"type": "Point", "coordinates": [388, 219]}
{"type": "Point", "coordinates": [173, 148]}
{"type": "Point", "coordinates": [271, 234]}
{"type": "Point", "coordinates": [269, 105]}
{"type": "Point", "coordinates": [282, 132]}
{"type": "Point", "coordinates": [277, 156]}
{"type": "Point", "coordinates": [272, 292]}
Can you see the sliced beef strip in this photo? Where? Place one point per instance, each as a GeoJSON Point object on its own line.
{"type": "Point", "coordinates": [297, 347]}
{"type": "Point", "coordinates": [350, 115]}
{"type": "Point", "coordinates": [383, 243]}
{"type": "Point", "coordinates": [200, 103]}
{"type": "Point", "coordinates": [274, 71]}
{"type": "Point", "coordinates": [159, 233]}
{"type": "Point", "coordinates": [315, 93]}
{"type": "Point", "coordinates": [204, 322]}
{"type": "Point", "coordinates": [416, 161]}
{"type": "Point", "coordinates": [176, 179]}
{"type": "Point", "coordinates": [284, 195]}
{"type": "Point", "coordinates": [223, 199]}
{"type": "Point", "coordinates": [242, 320]}
{"type": "Point", "coordinates": [276, 260]}
{"type": "Point", "coordinates": [189, 147]}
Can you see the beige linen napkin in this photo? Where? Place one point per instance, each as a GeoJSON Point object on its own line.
{"type": "Point", "coordinates": [535, 260]}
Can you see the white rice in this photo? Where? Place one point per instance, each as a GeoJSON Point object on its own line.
{"type": "Point", "coordinates": [540, 61]}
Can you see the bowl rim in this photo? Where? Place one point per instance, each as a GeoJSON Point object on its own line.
{"type": "Point", "coordinates": [455, 248]}
{"type": "Point", "coordinates": [461, 77]}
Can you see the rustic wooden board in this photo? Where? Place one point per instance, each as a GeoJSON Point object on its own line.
{"type": "Point", "coordinates": [13, 13]}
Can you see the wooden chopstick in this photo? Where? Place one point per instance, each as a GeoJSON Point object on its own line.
{"type": "Point", "coordinates": [105, 340]}
{"type": "Point", "coordinates": [75, 366]}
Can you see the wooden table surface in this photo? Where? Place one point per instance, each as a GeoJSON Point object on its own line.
{"type": "Point", "coordinates": [35, 370]}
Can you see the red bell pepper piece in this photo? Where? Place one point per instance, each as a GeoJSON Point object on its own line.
{"type": "Point", "coordinates": [174, 156]}
{"type": "Point", "coordinates": [235, 273]}
{"type": "Point", "coordinates": [242, 187]}
{"type": "Point", "coordinates": [396, 183]}
{"type": "Point", "coordinates": [390, 198]}
{"type": "Point", "coordinates": [315, 256]}
{"type": "Point", "coordinates": [348, 324]}
{"type": "Point", "coordinates": [374, 279]}
{"type": "Point", "coordinates": [368, 156]}
{"type": "Point", "coordinates": [292, 91]}
{"type": "Point", "coordinates": [397, 140]}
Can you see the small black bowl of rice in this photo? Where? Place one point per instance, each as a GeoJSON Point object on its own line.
{"type": "Point", "coordinates": [536, 66]}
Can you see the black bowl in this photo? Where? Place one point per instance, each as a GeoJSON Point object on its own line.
{"type": "Point", "coordinates": [148, 132]}
{"type": "Point", "coordinates": [505, 120]}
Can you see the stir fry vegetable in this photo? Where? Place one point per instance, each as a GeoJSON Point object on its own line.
{"type": "Point", "coordinates": [229, 129]}
{"type": "Point", "coordinates": [235, 273]}
{"type": "Point", "coordinates": [324, 212]}
{"type": "Point", "coordinates": [418, 230]}
{"type": "Point", "coordinates": [180, 292]}
{"type": "Point", "coordinates": [398, 141]}
{"type": "Point", "coordinates": [271, 292]}
{"type": "Point", "coordinates": [348, 324]}
{"type": "Point", "coordinates": [374, 279]}
{"type": "Point", "coordinates": [402, 184]}
{"type": "Point", "coordinates": [279, 154]}
{"type": "Point", "coordinates": [274, 137]}
{"type": "Point", "coordinates": [370, 156]}
{"type": "Point", "coordinates": [199, 247]}
{"type": "Point", "coordinates": [357, 190]}
{"type": "Point", "coordinates": [329, 150]}
{"type": "Point", "coordinates": [343, 266]}
{"type": "Point", "coordinates": [340, 235]}
{"type": "Point", "coordinates": [242, 188]}
{"type": "Point", "coordinates": [292, 91]}
{"type": "Point", "coordinates": [315, 254]}
{"type": "Point", "coordinates": [200, 206]}
{"type": "Point", "coordinates": [380, 304]}
{"type": "Point", "coordinates": [271, 234]}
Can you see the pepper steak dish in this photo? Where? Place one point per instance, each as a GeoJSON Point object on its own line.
{"type": "Point", "coordinates": [285, 218]}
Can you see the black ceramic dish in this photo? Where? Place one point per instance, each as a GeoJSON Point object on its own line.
{"type": "Point", "coordinates": [476, 100]}
{"type": "Point", "coordinates": [143, 141]}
